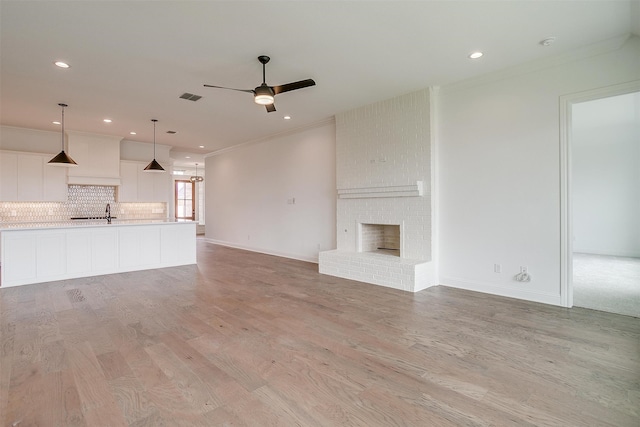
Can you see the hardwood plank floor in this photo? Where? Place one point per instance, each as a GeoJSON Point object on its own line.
{"type": "Point", "coordinates": [246, 339]}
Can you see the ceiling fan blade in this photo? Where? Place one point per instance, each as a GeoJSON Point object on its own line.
{"type": "Point", "coordinates": [293, 86]}
{"type": "Point", "coordinates": [270, 108]}
{"type": "Point", "coordinates": [230, 88]}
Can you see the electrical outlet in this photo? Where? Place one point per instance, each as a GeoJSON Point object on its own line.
{"type": "Point", "coordinates": [497, 268]}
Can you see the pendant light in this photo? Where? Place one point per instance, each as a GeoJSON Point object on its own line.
{"type": "Point", "coordinates": [154, 166]}
{"type": "Point", "coordinates": [62, 159]}
{"type": "Point", "coordinates": [196, 177]}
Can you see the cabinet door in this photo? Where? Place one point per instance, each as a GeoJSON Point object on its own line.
{"type": "Point", "coordinates": [128, 189]}
{"type": "Point", "coordinates": [19, 253]}
{"type": "Point", "coordinates": [161, 187]}
{"type": "Point", "coordinates": [51, 255]}
{"type": "Point", "coordinates": [146, 185]}
{"type": "Point", "coordinates": [8, 177]}
{"type": "Point", "coordinates": [55, 182]}
{"type": "Point", "coordinates": [30, 178]}
{"type": "Point", "coordinates": [104, 251]}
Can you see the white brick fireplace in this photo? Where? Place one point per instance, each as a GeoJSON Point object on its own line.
{"type": "Point", "coordinates": [383, 174]}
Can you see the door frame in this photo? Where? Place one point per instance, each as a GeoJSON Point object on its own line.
{"type": "Point", "coordinates": [193, 197]}
{"type": "Point", "coordinates": [566, 208]}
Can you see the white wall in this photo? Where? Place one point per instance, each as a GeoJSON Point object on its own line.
{"type": "Point", "coordinates": [143, 152]}
{"type": "Point", "coordinates": [249, 190]}
{"type": "Point", "coordinates": [499, 171]}
{"type": "Point", "coordinates": [606, 176]}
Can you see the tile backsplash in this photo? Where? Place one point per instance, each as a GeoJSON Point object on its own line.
{"type": "Point", "coordinates": [82, 201]}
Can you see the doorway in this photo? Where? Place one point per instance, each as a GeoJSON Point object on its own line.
{"type": "Point", "coordinates": [601, 200]}
{"type": "Point", "coordinates": [185, 200]}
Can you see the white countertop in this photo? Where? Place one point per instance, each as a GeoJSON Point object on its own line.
{"type": "Point", "coordinates": [14, 226]}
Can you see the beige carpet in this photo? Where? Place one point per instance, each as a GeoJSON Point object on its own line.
{"type": "Point", "coordinates": [607, 283]}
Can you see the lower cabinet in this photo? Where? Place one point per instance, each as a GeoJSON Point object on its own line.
{"type": "Point", "coordinates": [43, 255]}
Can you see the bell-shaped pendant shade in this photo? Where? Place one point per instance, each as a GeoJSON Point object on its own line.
{"type": "Point", "coordinates": [62, 159]}
{"type": "Point", "coordinates": [154, 166]}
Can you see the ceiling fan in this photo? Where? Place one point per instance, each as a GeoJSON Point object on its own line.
{"type": "Point", "coordinates": [264, 93]}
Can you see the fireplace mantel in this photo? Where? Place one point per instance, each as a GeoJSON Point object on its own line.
{"type": "Point", "coordinates": [409, 190]}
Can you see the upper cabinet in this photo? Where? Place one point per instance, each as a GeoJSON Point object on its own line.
{"type": "Point", "coordinates": [98, 158]}
{"type": "Point", "coordinates": [137, 185]}
{"type": "Point", "coordinates": [27, 177]}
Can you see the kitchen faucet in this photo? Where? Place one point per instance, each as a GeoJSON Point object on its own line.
{"type": "Point", "coordinates": [107, 213]}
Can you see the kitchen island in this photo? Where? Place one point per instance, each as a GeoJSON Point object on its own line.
{"type": "Point", "coordinates": [44, 252]}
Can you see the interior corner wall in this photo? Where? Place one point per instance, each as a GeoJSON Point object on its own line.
{"type": "Point", "coordinates": [499, 173]}
{"type": "Point", "coordinates": [275, 196]}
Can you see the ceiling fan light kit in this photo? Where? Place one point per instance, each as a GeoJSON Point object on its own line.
{"type": "Point", "coordinates": [264, 94]}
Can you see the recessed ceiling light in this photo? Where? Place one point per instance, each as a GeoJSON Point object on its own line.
{"type": "Point", "coordinates": [475, 55]}
{"type": "Point", "coordinates": [56, 123]}
{"type": "Point", "coordinates": [287, 117]}
{"type": "Point", "coordinates": [201, 146]}
{"type": "Point", "coordinates": [187, 157]}
{"type": "Point", "coordinates": [62, 64]}
{"type": "Point", "coordinates": [132, 133]}
{"type": "Point", "coordinates": [107, 120]}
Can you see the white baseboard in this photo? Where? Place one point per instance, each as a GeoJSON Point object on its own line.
{"type": "Point", "coordinates": [487, 288]}
{"type": "Point", "coordinates": [263, 251]}
{"type": "Point", "coordinates": [624, 254]}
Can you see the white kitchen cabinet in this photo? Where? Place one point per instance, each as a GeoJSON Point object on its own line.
{"type": "Point", "coordinates": [162, 187]}
{"type": "Point", "coordinates": [30, 178]}
{"type": "Point", "coordinates": [98, 158]}
{"type": "Point", "coordinates": [104, 250]}
{"type": "Point", "coordinates": [138, 185]}
{"type": "Point", "coordinates": [139, 246]}
{"type": "Point", "coordinates": [8, 177]}
{"type": "Point", "coordinates": [27, 177]}
{"type": "Point", "coordinates": [35, 255]}
{"type": "Point", "coordinates": [55, 182]}
{"type": "Point", "coordinates": [50, 259]}
{"type": "Point", "coordinates": [146, 185]}
{"type": "Point", "coordinates": [18, 257]}
{"type": "Point", "coordinates": [128, 189]}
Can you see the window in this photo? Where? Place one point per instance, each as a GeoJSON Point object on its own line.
{"type": "Point", "coordinates": [185, 200]}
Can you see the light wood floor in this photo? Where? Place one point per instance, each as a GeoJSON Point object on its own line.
{"type": "Point", "coordinates": [255, 340]}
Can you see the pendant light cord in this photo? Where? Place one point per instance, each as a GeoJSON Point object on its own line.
{"type": "Point", "coordinates": [62, 123]}
{"type": "Point", "coordinates": [154, 138]}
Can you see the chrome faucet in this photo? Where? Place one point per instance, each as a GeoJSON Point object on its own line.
{"type": "Point", "coordinates": [107, 213]}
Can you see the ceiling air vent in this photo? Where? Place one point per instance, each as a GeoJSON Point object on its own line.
{"type": "Point", "coordinates": [190, 96]}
